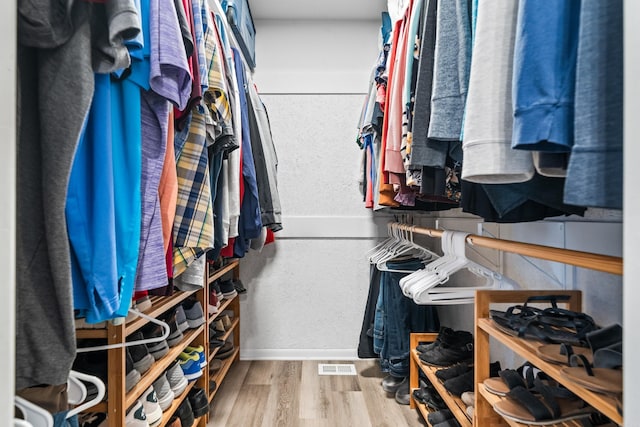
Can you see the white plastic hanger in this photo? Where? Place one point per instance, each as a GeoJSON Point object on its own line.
{"type": "Point", "coordinates": [424, 286]}
{"type": "Point", "coordinates": [407, 246]}
{"type": "Point", "coordinates": [75, 377]}
{"type": "Point", "coordinates": [34, 415]}
{"type": "Point", "coordinates": [165, 327]}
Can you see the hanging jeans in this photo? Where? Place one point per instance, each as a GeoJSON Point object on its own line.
{"type": "Point", "coordinates": [396, 317]}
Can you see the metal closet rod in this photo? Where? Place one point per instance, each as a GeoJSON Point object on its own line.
{"type": "Point", "coordinates": [605, 263]}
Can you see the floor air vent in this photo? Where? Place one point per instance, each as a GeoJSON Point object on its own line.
{"type": "Point", "coordinates": [336, 369]}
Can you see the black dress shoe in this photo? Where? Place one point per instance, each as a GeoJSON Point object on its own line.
{"type": "Point", "coordinates": [199, 402]}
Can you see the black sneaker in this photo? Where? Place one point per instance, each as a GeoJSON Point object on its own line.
{"type": "Point", "coordinates": [142, 359]}
{"type": "Point", "coordinates": [157, 349]}
{"type": "Point", "coordinates": [198, 401]}
{"type": "Point", "coordinates": [390, 384]}
{"type": "Point", "coordinates": [450, 350]}
{"type": "Point", "coordinates": [452, 372]}
{"type": "Point", "coordinates": [175, 333]}
{"type": "Point", "coordinates": [460, 384]}
{"type": "Point", "coordinates": [239, 286]}
{"type": "Point", "coordinates": [185, 413]}
{"type": "Point", "coordinates": [227, 288]}
{"type": "Point", "coordinates": [430, 397]}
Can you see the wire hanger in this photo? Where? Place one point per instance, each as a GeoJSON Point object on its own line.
{"type": "Point", "coordinates": [165, 335]}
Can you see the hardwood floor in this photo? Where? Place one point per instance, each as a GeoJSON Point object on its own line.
{"type": "Point", "coordinates": [292, 394]}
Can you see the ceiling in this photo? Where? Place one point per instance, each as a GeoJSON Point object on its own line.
{"type": "Point", "coordinates": [317, 9]}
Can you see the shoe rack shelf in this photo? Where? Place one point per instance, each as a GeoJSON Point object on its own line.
{"type": "Point", "coordinates": [232, 304]}
{"type": "Point", "coordinates": [485, 329]}
{"type": "Point", "coordinates": [492, 399]}
{"type": "Point", "coordinates": [117, 399]}
{"type": "Point", "coordinates": [454, 403]}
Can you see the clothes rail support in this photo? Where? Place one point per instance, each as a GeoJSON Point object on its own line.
{"type": "Point", "coordinates": [598, 262]}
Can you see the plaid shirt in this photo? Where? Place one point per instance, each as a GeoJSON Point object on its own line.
{"type": "Point", "coordinates": [193, 226]}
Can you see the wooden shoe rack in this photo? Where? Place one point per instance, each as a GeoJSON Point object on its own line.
{"type": "Point", "coordinates": [457, 407]}
{"type": "Point", "coordinates": [485, 329]}
{"type": "Point", "coordinates": [117, 399]}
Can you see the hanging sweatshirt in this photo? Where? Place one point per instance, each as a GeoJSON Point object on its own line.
{"type": "Point", "coordinates": [488, 156]}
{"type": "Point", "coordinates": [594, 176]}
{"type": "Point", "coordinates": [544, 75]}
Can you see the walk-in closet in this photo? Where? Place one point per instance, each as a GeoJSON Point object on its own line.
{"type": "Point", "coordinates": [371, 213]}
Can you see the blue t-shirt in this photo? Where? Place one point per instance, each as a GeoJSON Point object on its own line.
{"type": "Point", "coordinates": [544, 73]}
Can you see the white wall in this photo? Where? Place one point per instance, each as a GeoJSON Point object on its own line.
{"type": "Point", "coordinates": [306, 293]}
{"type": "Point", "coordinates": [7, 214]}
{"type": "Point", "coordinates": [631, 212]}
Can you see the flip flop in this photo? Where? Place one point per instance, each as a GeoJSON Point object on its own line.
{"type": "Point", "coordinates": [544, 408]}
{"type": "Point", "coordinates": [561, 353]}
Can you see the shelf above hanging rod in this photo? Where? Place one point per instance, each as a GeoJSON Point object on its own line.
{"type": "Point", "coordinates": [598, 262]}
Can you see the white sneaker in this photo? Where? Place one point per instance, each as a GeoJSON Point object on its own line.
{"type": "Point", "coordinates": [151, 407]}
{"type": "Point", "coordinates": [136, 416]}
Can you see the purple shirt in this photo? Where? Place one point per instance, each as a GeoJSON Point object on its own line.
{"type": "Point", "coordinates": [170, 81]}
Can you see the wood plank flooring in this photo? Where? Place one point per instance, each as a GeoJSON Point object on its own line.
{"type": "Point", "coordinates": [292, 394]}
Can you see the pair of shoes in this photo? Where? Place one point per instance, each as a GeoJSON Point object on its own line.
{"type": "Point", "coordinates": [163, 392]}
{"type": "Point", "coordinates": [403, 393]}
{"type": "Point", "coordinates": [216, 329]}
{"type": "Point", "coordinates": [215, 286]}
{"type": "Point", "coordinates": [177, 381]}
{"type": "Point", "coordinates": [214, 302]}
{"type": "Point", "coordinates": [142, 359]}
{"type": "Point", "coordinates": [198, 401]}
{"type": "Point", "coordinates": [190, 366]}
{"type": "Point", "coordinates": [460, 384]}
{"type": "Point", "coordinates": [175, 333]}
{"type": "Point", "coordinates": [239, 286]}
{"type": "Point", "coordinates": [195, 353]}
{"type": "Point", "coordinates": [194, 313]}
{"type": "Point", "coordinates": [151, 406]}
{"type": "Point", "coordinates": [427, 395]}
{"type": "Point", "coordinates": [225, 351]}
{"type": "Point", "coordinates": [228, 289]}
{"type": "Point", "coordinates": [136, 416]}
{"type": "Point", "coordinates": [185, 414]}
{"type": "Point", "coordinates": [390, 384]}
{"type": "Point", "coordinates": [451, 347]}
{"type": "Point", "coordinates": [438, 417]}
{"type": "Point", "coordinates": [157, 349]}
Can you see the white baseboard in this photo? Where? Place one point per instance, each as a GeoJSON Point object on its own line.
{"type": "Point", "coordinates": [297, 354]}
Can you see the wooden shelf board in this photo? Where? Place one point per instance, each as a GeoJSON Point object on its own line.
{"type": "Point", "coordinates": [222, 271]}
{"type": "Point", "coordinates": [424, 409]}
{"type": "Point", "coordinates": [166, 415]}
{"type": "Point", "coordinates": [158, 307]}
{"type": "Point", "coordinates": [82, 334]}
{"type": "Point", "coordinates": [222, 372]}
{"type": "Point", "coordinates": [226, 336]}
{"type": "Point", "coordinates": [527, 349]}
{"type": "Point", "coordinates": [455, 404]}
{"type": "Point", "coordinates": [493, 399]}
{"type": "Point", "coordinates": [98, 407]}
{"type": "Point", "coordinates": [223, 306]}
{"type": "Point", "coordinates": [161, 365]}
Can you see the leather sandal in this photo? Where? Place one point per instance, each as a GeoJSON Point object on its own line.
{"type": "Point", "coordinates": [542, 408]}
{"type": "Point", "coordinates": [604, 375]}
